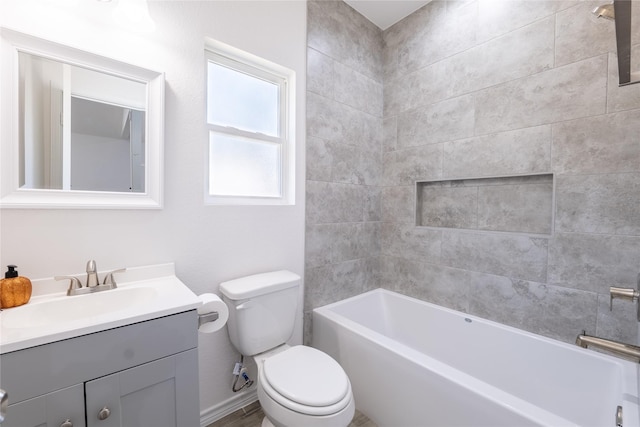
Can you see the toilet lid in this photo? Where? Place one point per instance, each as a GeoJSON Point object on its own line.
{"type": "Point", "coordinates": [306, 376]}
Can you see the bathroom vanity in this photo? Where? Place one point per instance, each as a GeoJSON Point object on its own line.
{"type": "Point", "coordinates": [135, 365]}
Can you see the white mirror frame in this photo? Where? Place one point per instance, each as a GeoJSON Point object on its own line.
{"type": "Point", "coordinates": [11, 194]}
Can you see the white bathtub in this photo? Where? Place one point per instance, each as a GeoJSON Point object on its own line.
{"type": "Point", "coordinates": [413, 363]}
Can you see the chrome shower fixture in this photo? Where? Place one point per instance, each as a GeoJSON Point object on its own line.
{"type": "Point", "coordinates": [606, 11]}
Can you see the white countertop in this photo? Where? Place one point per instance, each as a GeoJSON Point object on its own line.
{"type": "Point", "coordinates": [163, 294]}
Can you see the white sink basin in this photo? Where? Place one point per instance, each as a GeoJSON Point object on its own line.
{"type": "Point", "coordinates": [143, 293]}
{"type": "Point", "coordinates": [75, 308]}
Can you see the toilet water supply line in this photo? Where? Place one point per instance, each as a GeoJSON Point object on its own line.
{"type": "Point", "coordinates": [239, 370]}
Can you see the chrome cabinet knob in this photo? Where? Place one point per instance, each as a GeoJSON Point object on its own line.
{"type": "Point", "coordinates": [67, 423]}
{"type": "Point", "coordinates": [104, 413]}
{"type": "Point", "coordinates": [4, 402]}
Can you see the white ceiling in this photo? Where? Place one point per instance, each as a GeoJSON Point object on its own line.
{"type": "Point", "coordinates": [385, 13]}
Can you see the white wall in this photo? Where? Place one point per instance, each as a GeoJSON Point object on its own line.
{"type": "Point", "coordinates": [209, 244]}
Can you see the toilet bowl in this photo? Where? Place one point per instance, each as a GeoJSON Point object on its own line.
{"type": "Point", "coordinates": [297, 385]}
{"type": "Point", "coordinates": [302, 386]}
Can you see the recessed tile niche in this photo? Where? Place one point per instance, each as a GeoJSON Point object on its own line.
{"type": "Point", "coordinates": [521, 204]}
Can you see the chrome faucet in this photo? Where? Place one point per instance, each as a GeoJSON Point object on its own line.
{"type": "Point", "coordinates": [93, 282]}
{"type": "Point", "coordinates": [92, 274]}
{"type": "Point", "coordinates": [109, 281]}
{"type": "Point", "coordinates": [627, 351]}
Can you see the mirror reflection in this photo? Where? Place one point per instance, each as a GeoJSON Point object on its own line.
{"type": "Point", "coordinates": [80, 129]}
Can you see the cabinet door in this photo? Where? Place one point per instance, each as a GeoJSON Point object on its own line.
{"type": "Point", "coordinates": [62, 408]}
{"type": "Point", "coordinates": [160, 393]}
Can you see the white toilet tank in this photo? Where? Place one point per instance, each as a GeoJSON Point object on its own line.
{"type": "Point", "coordinates": [262, 310]}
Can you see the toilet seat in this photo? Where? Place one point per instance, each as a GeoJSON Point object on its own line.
{"type": "Point", "coordinates": [305, 380]}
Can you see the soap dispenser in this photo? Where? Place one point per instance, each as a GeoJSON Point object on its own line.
{"type": "Point", "coordinates": [15, 290]}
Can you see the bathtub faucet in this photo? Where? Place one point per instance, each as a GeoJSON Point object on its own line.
{"type": "Point", "coordinates": [618, 348]}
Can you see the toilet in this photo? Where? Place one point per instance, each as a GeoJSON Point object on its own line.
{"type": "Point", "coordinates": [297, 385]}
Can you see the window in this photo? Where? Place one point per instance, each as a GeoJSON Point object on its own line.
{"type": "Point", "coordinates": [250, 129]}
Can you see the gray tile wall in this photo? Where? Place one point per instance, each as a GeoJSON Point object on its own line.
{"type": "Point", "coordinates": [344, 155]}
{"type": "Point", "coordinates": [530, 90]}
{"type": "Point", "coordinates": [465, 89]}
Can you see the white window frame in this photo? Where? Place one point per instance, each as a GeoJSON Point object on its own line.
{"type": "Point", "coordinates": [252, 65]}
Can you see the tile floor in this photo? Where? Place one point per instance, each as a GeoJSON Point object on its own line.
{"type": "Point", "coordinates": [251, 416]}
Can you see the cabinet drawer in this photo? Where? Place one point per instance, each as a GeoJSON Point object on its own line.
{"type": "Point", "coordinates": [50, 410]}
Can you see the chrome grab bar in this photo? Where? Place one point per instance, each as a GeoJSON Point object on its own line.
{"type": "Point", "coordinates": [619, 348]}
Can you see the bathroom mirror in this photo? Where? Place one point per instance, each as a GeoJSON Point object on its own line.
{"type": "Point", "coordinates": [78, 130]}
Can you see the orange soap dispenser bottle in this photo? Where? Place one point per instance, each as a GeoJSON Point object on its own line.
{"type": "Point", "coordinates": [15, 290]}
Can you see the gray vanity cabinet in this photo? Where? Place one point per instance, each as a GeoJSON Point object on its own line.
{"type": "Point", "coordinates": [139, 375]}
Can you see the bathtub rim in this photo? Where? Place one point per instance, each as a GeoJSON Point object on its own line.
{"type": "Point", "coordinates": [328, 309]}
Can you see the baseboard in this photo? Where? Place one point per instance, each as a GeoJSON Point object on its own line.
{"type": "Point", "coordinates": [229, 406]}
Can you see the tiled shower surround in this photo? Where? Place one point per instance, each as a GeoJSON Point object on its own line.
{"type": "Point", "coordinates": [472, 90]}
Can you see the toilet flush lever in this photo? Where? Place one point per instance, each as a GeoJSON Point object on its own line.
{"type": "Point", "coordinates": [244, 305]}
